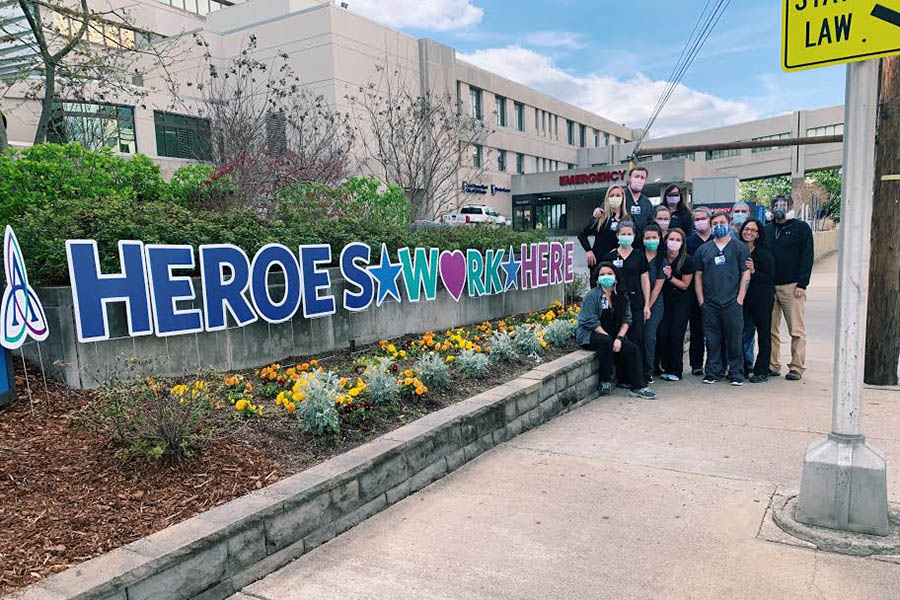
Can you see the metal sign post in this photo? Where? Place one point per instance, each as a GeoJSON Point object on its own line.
{"type": "Point", "coordinates": [844, 485]}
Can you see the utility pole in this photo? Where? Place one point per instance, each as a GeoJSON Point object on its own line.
{"type": "Point", "coordinates": [844, 481]}
{"type": "Point", "coordinates": [883, 339]}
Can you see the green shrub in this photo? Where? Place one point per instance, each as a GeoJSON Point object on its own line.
{"type": "Point", "coordinates": [381, 384]}
{"type": "Point", "coordinates": [473, 364]}
{"type": "Point", "coordinates": [559, 332]}
{"type": "Point", "coordinates": [147, 419]}
{"type": "Point", "coordinates": [316, 413]}
{"type": "Point", "coordinates": [526, 341]}
{"type": "Point", "coordinates": [435, 373]}
{"type": "Point", "coordinates": [193, 186]}
{"type": "Point", "coordinates": [577, 288]}
{"type": "Point", "coordinates": [502, 349]}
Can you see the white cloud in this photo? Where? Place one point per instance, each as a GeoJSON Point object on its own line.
{"type": "Point", "coordinates": [437, 15]}
{"type": "Point", "coordinates": [627, 101]}
{"type": "Point", "coordinates": [555, 39]}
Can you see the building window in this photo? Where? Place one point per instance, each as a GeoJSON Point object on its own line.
{"type": "Point", "coordinates": [477, 156]}
{"type": "Point", "coordinates": [551, 214]}
{"type": "Point", "coordinates": [837, 129]}
{"type": "Point", "coordinates": [779, 136]}
{"type": "Point", "coordinates": [618, 140]}
{"type": "Point", "coordinates": [537, 122]}
{"type": "Point", "coordinates": [556, 127]}
{"type": "Point", "coordinates": [544, 124]}
{"type": "Point", "coordinates": [276, 132]}
{"type": "Point", "coordinates": [605, 139]}
{"type": "Point", "coordinates": [596, 139]}
{"type": "Point", "coordinates": [677, 155]}
{"type": "Point", "coordinates": [501, 160]}
{"type": "Point", "coordinates": [519, 111]}
{"type": "Point", "coordinates": [459, 102]}
{"type": "Point", "coordinates": [500, 109]}
{"type": "Point", "coordinates": [198, 7]}
{"type": "Point", "coordinates": [179, 136]}
{"type": "Point", "coordinates": [570, 132]}
{"type": "Point", "coordinates": [520, 163]}
{"type": "Point", "coordinates": [570, 166]}
{"type": "Point", "coordinates": [717, 154]}
{"type": "Point", "coordinates": [94, 126]}
{"type": "Point", "coordinates": [582, 136]}
{"type": "Point", "coordinates": [475, 101]}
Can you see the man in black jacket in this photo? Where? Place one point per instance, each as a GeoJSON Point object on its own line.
{"type": "Point", "coordinates": [638, 207]}
{"type": "Point", "coordinates": [791, 242]}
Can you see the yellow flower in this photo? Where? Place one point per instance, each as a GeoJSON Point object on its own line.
{"type": "Point", "coordinates": [408, 373]}
{"type": "Point", "coordinates": [178, 390]}
{"type": "Point", "coordinates": [199, 385]}
{"type": "Point", "coordinates": [313, 363]}
{"type": "Point", "coordinates": [391, 348]}
{"type": "Point", "coordinates": [290, 407]}
{"type": "Point", "coordinates": [342, 382]}
{"type": "Point", "coordinates": [407, 381]}
{"type": "Point", "coordinates": [543, 344]}
{"type": "Point", "coordinates": [403, 354]}
{"type": "Point", "coordinates": [451, 358]}
{"type": "Point", "coordinates": [259, 411]}
{"type": "Point", "coordinates": [421, 390]}
{"type": "Point", "coordinates": [354, 392]}
{"type": "Point", "coordinates": [240, 405]}
{"type": "Point", "coordinates": [297, 397]}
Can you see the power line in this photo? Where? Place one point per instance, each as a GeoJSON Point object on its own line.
{"type": "Point", "coordinates": [693, 48]}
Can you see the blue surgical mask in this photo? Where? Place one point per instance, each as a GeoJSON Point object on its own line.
{"type": "Point", "coordinates": [739, 218]}
{"type": "Point", "coordinates": [606, 281]}
{"type": "Point", "coordinates": [720, 231]}
{"type": "Point", "coordinates": [651, 244]}
{"type": "Point", "coordinates": [626, 240]}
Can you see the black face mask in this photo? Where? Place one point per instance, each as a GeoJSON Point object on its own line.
{"type": "Point", "coordinates": [779, 214]}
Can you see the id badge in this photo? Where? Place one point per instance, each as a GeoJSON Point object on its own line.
{"type": "Point", "coordinates": [720, 260]}
{"type": "Point", "coordinates": [618, 263]}
{"type": "Point", "coordinates": [613, 225]}
{"type": "Point", "coordinates": [635, 210]}
{"type": "Point", "coordinates": [604, 303]}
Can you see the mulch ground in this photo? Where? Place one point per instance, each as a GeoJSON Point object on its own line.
{"type": "Point", "coordinates": [65, 497]}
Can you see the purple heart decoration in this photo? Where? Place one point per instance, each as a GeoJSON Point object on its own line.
{"type": "Point", "coordinates": [453, 272]}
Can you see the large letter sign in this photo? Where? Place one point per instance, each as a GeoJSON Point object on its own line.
{"type": "Point", "coordinates": [160, 295]}
{"type": "Point", "coordinates": [23, 315]}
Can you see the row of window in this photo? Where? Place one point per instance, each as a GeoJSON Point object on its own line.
{"type": "Point", "coordinates": [837, 129]}
{"type": "Point", "coordinates": [545, 124]}
{"type": "Point", "coordinates": [98, 126]}
{"type": "Point", "coordinates": [541, 164]}
{"type": "Point", "coordinates": [777, 136]}
{"type": "Point", "coordinates": [198, 7]}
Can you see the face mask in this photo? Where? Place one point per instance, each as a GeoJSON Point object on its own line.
{"type": "Point", "coordinates": [606, 281]}
{"type": "Point", "coordinates": [663, 223]}
{"type": "Point", "coordinates": [673, 245]}
{"type": "Point", "coordinates": [637, 184]}
{"type": "Point", "coordinates": [651, 245]}
{"type": "Point", "coordinates": [626, 240]}
{"type": "Point", "coordinates": [739, 218]}
{"type": "Point", "coordinates": [720, 230]}
{"type": "Point", "coordinates": [673, 200]}
{"type": "Point", "coordinates": [702, 225]}
{"type": "Point", "coordinates": [615, 202]}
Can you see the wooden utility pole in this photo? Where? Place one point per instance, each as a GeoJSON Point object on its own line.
{"type": "Point", "coordinates": [883, 321]}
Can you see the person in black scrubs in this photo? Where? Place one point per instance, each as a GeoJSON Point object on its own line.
{"type": "Point", "coordinates": [604, 227]}
{"type": "Point", "coordinates": [681, 215]}
{"type": "Point", "coordinates": [760, 299]}
{"type": "Point", "coordinates": [635, 274]}
{"type": "Point", "coordinates": [677, 292]}
{"type": "Point", "coordinates": [654, 255]}
{"type": "Point", "coordinates": [603, 322]}
{"type": "Point", "coordinates": [702, 234]}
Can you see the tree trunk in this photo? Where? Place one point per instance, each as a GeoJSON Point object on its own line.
{"type": "Point", "coordinates": [883, 321]}
{"type": "Point", "coordinates": [40, 136]}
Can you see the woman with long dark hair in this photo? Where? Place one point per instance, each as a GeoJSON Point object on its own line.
{"type": "Point", "coordinates": [675, 199]}
{"type": "Point", "coordinates": [759, 301]}
{"type": "Point", "coordinates": [604, 228]}
{"type": "Point", "coordinates": [603, 323]}
{"type": "Point", "coordinates": [679, 273]}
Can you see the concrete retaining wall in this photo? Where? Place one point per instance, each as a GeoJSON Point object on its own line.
{"type": "Point", "coordinates": [218, 552]}
{"type": "Point", "coordinates": [83, 365]}
{"type": "Point", "coordinates": [826, 242]}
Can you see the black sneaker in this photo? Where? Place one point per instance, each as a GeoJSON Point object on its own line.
{"type": "Point", "coordinates": [710, 379]}
{"type": "Point", "coordinates": [736, 382]}
{"type": "Point", "coordinates": [759, 379]}
{"type": "Point", "coordinates": [650, 379]}
{"type": "Point", "coordinates": [645, 393]}
{"type": "Point", "coordinates": [774, 373]}
{"type": "Point", "coordinates": [697, 371]}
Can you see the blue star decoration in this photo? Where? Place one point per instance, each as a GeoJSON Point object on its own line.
{"type": "Point", "coordinates": [512, 270]}
{"type": "Point", "coordinates": [386, 273]}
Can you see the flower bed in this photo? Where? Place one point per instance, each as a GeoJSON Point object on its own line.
{"type": "Point", "coordinates": [86, 475]}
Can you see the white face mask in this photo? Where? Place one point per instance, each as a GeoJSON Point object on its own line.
{"type": "Point", "coordinates": [615, 202]}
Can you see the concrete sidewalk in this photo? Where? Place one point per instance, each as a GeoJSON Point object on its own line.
{"type": "Point", "coordinates": [622, 499]}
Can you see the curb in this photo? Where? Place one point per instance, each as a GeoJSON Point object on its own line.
{"type": "Point", "coordinates": [218, 552]}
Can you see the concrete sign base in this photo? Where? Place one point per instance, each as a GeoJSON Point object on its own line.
{"type": "Point", "coordinates": [844, 486]}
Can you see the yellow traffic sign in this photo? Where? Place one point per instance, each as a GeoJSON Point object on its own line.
{"type": "Point", "coordinates": [818, 33]}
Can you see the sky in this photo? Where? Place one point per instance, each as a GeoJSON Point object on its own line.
{"type": "Point", "coordinates": [614, 58]}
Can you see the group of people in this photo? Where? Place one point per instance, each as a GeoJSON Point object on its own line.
{"type": "Point", "coordinates": [655, 271]}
